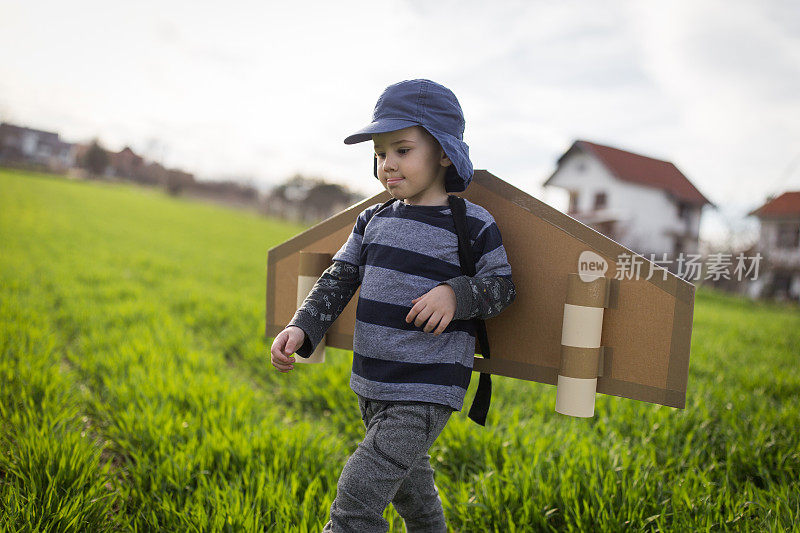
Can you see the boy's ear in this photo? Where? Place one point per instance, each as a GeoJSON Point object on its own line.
{"type": "Point", "coordinates": [445, 160]}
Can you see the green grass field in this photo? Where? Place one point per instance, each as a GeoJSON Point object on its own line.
{"type": "Point", "coordinates": [136, 393]}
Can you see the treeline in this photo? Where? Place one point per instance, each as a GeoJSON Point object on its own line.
{"type": "Point", "coordinates": [300, 198]}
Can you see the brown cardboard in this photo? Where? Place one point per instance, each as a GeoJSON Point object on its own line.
{"type": "Point", "coordinates": [647, 324]}
{"type": "Point", "coordinates": [595, 293]}
{"type": "Point", "coordinates": [580, 362]}
{"type": "Point", "coordinates": [313, 263]}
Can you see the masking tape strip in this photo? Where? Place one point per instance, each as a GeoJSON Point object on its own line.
{"type": "Point", "coordinates": [677, 372]}
{"type": "Point", "coordinates": [581, 362]}
{"type": "Point", "coordinates": [593, 293]}
{"type": "Point", "coordinates": [606, 385]}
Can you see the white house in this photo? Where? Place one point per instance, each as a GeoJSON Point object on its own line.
{"type": "Point", "coordinates": [779, 244]}
{"type": "Point", "coordinates": [645, 204]}
{"type": "Point", "coordinates": [26, 145]}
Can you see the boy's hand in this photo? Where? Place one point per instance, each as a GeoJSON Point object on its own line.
{"type": "Point", "coordinates": [284, 345]}
{"type": "Point", "coordinates": [437, 306]}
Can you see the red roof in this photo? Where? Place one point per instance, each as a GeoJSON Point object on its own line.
{"type": "Point", "coordinates": [636, 168]}
{"type": "Point", "coordinates": [787, 203]}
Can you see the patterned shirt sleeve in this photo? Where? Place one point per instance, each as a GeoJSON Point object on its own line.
{"type": "Point", "coordinates": [334, 288]}
{"type": "Point", "coordinates": [481, 297]}
{"type": "Point", "coordinates": [324, 303]}
{"type": "Point", "coordinates": [491, 290]}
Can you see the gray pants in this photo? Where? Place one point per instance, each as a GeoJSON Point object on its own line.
{"type": "Point", "coordinates": [392, 465]}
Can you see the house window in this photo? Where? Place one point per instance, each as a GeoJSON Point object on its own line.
{"type": "Point", "coordinates": [683, 211]}
{"type": "Point", "coordinates": [573, 202]}
{"type": "Point", "coordinates": [789, 235]}
{"type": "Point", "coordinates": [599, 200]}
{"type": "Point", "coordinates": [677, 247]}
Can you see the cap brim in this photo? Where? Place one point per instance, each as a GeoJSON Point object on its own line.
{"type": "Point", "coordinates": [379, 126]}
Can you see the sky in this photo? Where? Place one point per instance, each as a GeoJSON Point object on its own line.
{"type": "Point", "coordinates": [258, 91]}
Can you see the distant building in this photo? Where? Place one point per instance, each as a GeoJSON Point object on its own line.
{"type": "Point", "coordinates": [154, 174]}
{"type": "Point", "coordinates": [178, 180]}
{"type": "Point", "coordinates": [126, 164]}
{"type": "Point", "coordinates": [27, 146]}
{"type": "Point", "coordinates": [779, 244]}
{"type": "Point", "coordinates": [643, 203]}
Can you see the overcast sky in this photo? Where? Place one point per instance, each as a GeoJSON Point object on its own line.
{"type": "Point", "coordinates": [261, 90]}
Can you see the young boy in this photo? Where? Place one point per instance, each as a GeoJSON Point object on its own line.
{"type": "Point", "coordinates": [414, 340]}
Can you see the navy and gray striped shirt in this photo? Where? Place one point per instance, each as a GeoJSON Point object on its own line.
{"type": "Point", "coordinates": [396, 256]}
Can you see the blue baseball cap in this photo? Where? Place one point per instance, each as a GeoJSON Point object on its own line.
{"type": "Point", "coordinates": [428, 104]}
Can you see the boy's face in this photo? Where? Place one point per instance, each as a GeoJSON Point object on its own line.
{"type": "Point", "coordinates": [412, 165]}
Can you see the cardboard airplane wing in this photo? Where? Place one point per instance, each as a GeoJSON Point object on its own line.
{"type": "Point", "coordinates": [580, 319]}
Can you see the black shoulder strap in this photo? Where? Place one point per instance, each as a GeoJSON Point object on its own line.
{"type": "Point", "coordinates": [387, 203]}
{"type": "Point", "coordinates": [480, 404]}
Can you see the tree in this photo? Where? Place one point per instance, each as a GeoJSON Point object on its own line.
{"type": "Point", "coordinates": [96, 158]}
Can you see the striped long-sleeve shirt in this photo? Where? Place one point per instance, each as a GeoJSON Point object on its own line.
{"type": "Point", "coordinates": [396, 256]}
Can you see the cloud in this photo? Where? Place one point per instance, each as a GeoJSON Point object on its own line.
{"type": "Point", "coordinates": [735, 84]}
